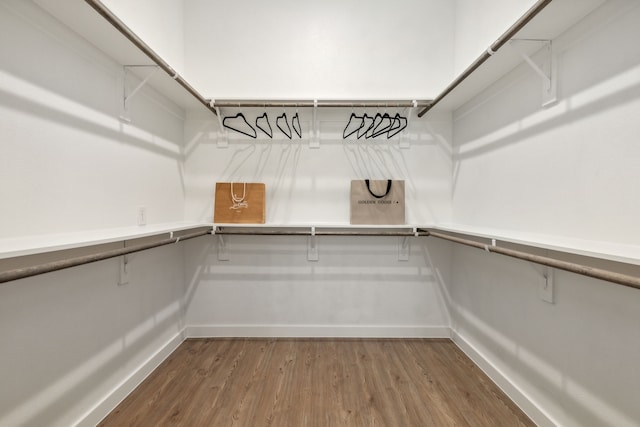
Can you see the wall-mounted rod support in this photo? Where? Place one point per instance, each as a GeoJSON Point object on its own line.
{"type": "Point", "coordinates": [21, 273]}
{"type": "Point", "coordinates": [127, 97]}
{"type": "Point", "coordinates": [137, 41]}
{"type": "Point", "coordinates": [389, 103]}
{"type": "Point", "coordinates": [504, 38]}
{"type": "Point", "coordinates": [596, 273]}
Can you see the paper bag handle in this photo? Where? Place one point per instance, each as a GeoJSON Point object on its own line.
{"type": "Point", "coordinates": [375, 195]}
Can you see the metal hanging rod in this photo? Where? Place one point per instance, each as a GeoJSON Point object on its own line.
{"type": "Point", "coordinates": [390, 103]}
{"type": "Point", "coordinates": [137, 41]}
{"type": "Point", "coordinates": [504, 38]}
{"type": "Point", "coordinates": [314, 232]}
{"type": "Point", "coordinates": [21, 273]}
{"type": "Point", "coordinates": [596, 273]}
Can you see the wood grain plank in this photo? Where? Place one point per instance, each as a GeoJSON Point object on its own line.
{"type": "Point", "coordinates": [317, 382]}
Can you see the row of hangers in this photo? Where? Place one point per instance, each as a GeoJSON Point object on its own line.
{"type": "Point", "coordinates": [361, 126]}
{"type": "Point", "coordinates": [373, 127]}
{"type": "Point", "coordinates": [240, 124]}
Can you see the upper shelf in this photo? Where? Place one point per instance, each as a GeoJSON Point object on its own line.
{"type": "Point", "coordinates": [551, 21]}
{"type": "Point", "coordinates": [83, 19]}
{"type": "Point", "coordinates": [31, 245]}
{"type": "Point", "coordinates": [628, 254]}
{"type": "Point", "coordinates": [554, 19]}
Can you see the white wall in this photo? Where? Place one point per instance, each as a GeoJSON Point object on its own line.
{"type": "Point", "coordinates": [567, 170]}
{"type": "Point", "coordinates": [68, 163]}
{"type": "Point", "coordinates": [319, 49]}
{"type": "Point", "coordinates": [543, 168]}
{"type": "Point", "coordinates": [73, 338]}
{"type": "Point", "coordinates": [311, 185]}
{"type": "Point", "coordinates": [479, 23]}
{"type": "Point", "coordinates": [356, 288]}
{"type": "Point", "coordinates": [160, 23]}
{"type": "Point", "coordinates": [327, 50]}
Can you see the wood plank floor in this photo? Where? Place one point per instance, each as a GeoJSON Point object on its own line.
{"type": "Point", "coordinates": [317, 382]}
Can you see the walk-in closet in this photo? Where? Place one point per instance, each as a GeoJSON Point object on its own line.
{"type": "Point", "coordinates": [319, 213]}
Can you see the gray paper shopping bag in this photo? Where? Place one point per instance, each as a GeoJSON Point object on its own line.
{"type": "Point", "coordinates": [377, 202]}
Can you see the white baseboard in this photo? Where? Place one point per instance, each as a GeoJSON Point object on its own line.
{"type": "Point", "coordinates": [520, 398]}
{"type": "Point", "coordinates": [122, 390]}
{"type": "Point", "coordinates": [316, 331]}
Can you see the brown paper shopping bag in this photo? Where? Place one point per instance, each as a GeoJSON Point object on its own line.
{"type": "Point", "coordinates": [239, 203]}
{"type": "Point", "coordinates": [377, 202]}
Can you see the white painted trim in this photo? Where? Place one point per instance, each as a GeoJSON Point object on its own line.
{"type": "Point", "coordinates": [122, 390]}
{"type": "Point", "coordinates": [317, 331]}
{"type": "Point", "coordinates": [515, 393]}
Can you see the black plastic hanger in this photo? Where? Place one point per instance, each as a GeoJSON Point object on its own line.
{"type": "Point", "coordinates": [399, 124]}
{"type": "Point", "coordinates": [294, 120]}
{"type": "Point", "coordinates": [377, 119]}
{"type": "Point", "coordinates": [268, 125]}
{"type": "Point", "coordinates": [367, 122]}
{"type": "Point", "coordinates": [383, 126]}
{"type": "Point", "coordinates": [352, 119]}
{"type": "Point", "coordinates": [284, 117]}
{"type": "Point", "coordinates": [240, 115]}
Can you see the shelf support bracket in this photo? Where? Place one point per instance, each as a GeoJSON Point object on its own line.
{"type": "Point", "coordinates": [545, 289]}
{"type": "Point", "coordinates": [312, 246]}
{"type": "Point", "coordinates": [404, 245]}
{"type": "Point", "coordinates": [547, 71]}
{"type": "Point", "coordinates": [405, 141]}
{"type": "Point", "coordinates": [314, 141]}
{"type": "Point", "coordinates": [125, 114]}
{"type": "Point", "coordinates": [123, 278]}
{"type": "Point", "coordinates": [223, 253]}
{"type": "Point", "coordinates": [223, 142]}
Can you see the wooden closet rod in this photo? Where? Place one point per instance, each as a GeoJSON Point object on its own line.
{"type": "Point", "coordinates": [504, 38]}
{"type": "Point", "coordinates": [596, 273]}
{"type": "Point", "coordinates": [137, 41]}
{"type": "Point", "coordinates": [390, 103]}
{"type": "Point", "coordinates": [21, 273]}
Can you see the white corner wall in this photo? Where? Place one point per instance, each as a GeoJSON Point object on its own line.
{"type": "Point", "coordinates": [357, 288]}
{"type": "Point", "coordinates": [327, 50]}
{"type": "Point", "coordinates": [287, 49]}
{"type": "Point", "coordinates": [73, 341]}
{"type": "Point", "coordinates": [567, 170]}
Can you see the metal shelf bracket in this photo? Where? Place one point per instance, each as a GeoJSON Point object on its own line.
{"type": "Point", "coordinates": [547, 70]}
{"type": "Point", "coordinates": [545, 291]}
{"type": "Point", "coordinates": [223, 253]}
{"type": "Point", "coordinates": [312, 246]}
{"type": "Point", "coordinates": [223, 141]}
{"type": "Point", "coordinates": [125, 114]}
{"type": "Point", "coordinates": [314, 141]}
{"type": "Point", "coordinates": [123, 278]}
{"type": "Point", "coordinates": [404, 248]}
